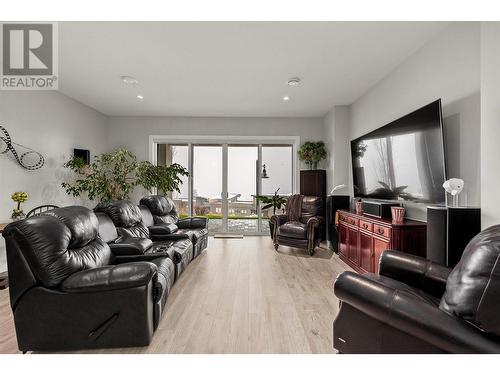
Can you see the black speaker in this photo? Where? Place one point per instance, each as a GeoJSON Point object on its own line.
{"type": "Point", "coordinates": [378, 209]}
{"type": "Point", "coordinates": [82, 154]}
{"type": "Point", "coordinates": [333, 204]}
{"type": "Point", "coordinates": [449, 230]}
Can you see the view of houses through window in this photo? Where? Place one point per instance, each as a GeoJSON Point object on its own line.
{"type": "Point", "coordinates": [224, 180]}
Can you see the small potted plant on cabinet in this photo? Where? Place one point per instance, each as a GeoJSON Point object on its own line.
{"type": "Point", "coordinates": [312, 153]}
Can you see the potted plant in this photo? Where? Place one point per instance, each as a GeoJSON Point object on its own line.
{"type": "Point", "coordinates": [110, 176]}
{"type": "Point", "coordinates": [311, 153]}
{"type": "Point", "coordinates": [276, 202]}
{"type": "Point", "coordinates": [114, 176]}
{"type": "Point", "coordinates": [18, 197]}
{"type": "Point", "coordinates": [164, 178]}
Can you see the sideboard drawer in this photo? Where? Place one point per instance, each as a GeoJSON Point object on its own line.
{"type": "Point", "coordinates": [352, 221]}
{"type": "Point", "coordinates": [382, 231]}
{"type": "Point", "coordinates": [365, 225]}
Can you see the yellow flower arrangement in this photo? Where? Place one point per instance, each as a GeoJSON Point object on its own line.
{"type": "Point", "coordinates": [18, 197]}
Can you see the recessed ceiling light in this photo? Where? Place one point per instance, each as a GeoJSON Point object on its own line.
{"type": "Point", "coordinates": [286, 98]}
{"type": "Point", "coordinates": [129, 80]}
{"type": "Point", "coordinates": [140, 97]}
{"type": "Point", "coordinates": [295, 81]}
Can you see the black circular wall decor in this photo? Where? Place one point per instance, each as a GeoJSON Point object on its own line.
{"type": "Point", "coordinates": [25, 156]}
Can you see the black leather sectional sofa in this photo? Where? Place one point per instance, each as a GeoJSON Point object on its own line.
{"type": "Point", "coordinates": [416, 306]}
{"type": "Point", "coordinates": [81, 279]}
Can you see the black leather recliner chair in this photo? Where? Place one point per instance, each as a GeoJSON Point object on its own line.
{"type": "Point", "coordinates": [129, 222]}
{"type": "Point", "coordinates": [302, 224]}
{"type": "Point", "coordinates": [135, 249]}
{"type": "Point", "coordinates": [417, 306]}
{"type": "Point", "coordinates": [68, 293]}
{"type": "Point", "coordinates": [164, 213]}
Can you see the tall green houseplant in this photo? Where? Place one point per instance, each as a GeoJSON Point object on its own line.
{"type": "Point", "coordinates": [312, 153]}
{"type": "Point", "coordinates": [114, 176]}
{"type": "Point", "coordinates": [110, 176]}
{"type": "Point", "coordinates": [165, 179]}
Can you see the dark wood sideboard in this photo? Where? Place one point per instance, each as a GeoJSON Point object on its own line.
{"type": "Point", "coordinates": [363, 238]}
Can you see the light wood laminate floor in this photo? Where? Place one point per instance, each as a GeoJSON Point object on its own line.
{"type": "Point", "coordinates": [239, 296]}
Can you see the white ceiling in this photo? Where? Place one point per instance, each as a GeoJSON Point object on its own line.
{"type": "Point", "coordinates": [230, 68]}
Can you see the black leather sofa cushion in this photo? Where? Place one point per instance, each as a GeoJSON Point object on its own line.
{"type": "Point", "coordinates": [162, 208]}
{"type": "Point", "coordinates": [163, 229]}
{"type": "Point", "coordinates": [138, 230]}
{"type": "Point", "coordinates": [107, 278]}
{"type": "Point", "coordinates": [48, 244]}
{"type": "Point", "coordinates": [130, 246]}
{"type": "Point", "coordinates": [147, 216]}
{"type": "Point", "coordinates": [194, 235]}
{"type": "Point", "coordinates": [192, 223]}
{"type": "Point", "coordinates": [473, 288]}
{"type": "Point", "coordinates": [81, 222]}
{"type": "Point", "coordinates": [293, 229]}
{"type": "Point", "coordinates": [107, 230]}
{"type": "Point", "coordinates": [123, 213]}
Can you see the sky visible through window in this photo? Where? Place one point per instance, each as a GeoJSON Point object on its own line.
{"type": "Point", "coordinates": [241, 170]}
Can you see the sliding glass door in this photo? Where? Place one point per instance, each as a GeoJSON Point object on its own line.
{"type": "Point", "coordinates": [207, 185]}
{"type": "Point", "coordinates": [224, 180]}
{"type": "Point", "coordinates": [242, 164]}
{"type": "Point", "coordinates": [277, 160]}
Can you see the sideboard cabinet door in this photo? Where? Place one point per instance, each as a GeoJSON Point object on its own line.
{"type": "Point", "coordinates": [366, 251]}
{"type": "Point", "coordinates": [379, 245]}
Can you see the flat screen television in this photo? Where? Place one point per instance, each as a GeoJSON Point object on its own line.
{"type": "Point", "coordinates": [403, 160]}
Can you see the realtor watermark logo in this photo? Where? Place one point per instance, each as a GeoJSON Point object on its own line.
{"type": "Point", "coordinates": [29, 59]}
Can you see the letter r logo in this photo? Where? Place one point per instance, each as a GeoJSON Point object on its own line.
{"type": "Point", "coordinates": [27, 49]}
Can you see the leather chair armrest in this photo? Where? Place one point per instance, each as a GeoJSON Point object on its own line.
{"type": "Point", "coordinates": [278, 219]}
{"type": "Point", "coordinates": [414, 271]}
{"type": "Point", "coordinates": [130, 246]}
{"type": "Point", "coordinates": [409, 314]}
{"type": "Point", "coordinates": [193, 223]}
{"type": "Point", "coordinates": [163, 229]}
{"type": "Point", "coordinates": [313, 223]}
{"type": "Point", "coordinates": [108, 278]}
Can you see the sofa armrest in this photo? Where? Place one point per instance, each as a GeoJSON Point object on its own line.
{"type": "Point", "coordinates": [158, 250]}
{"type": "Point", "coordinates": [163, 229]}
{"type": "Point", "coordinates": [414, 271]}
{"type": "Point", "coordinates": [130, 246]}
{"type": "Point", "coordinates": [123, 276]}
{"type": "Point", "coordinates": [193, 223]}
{"type": "Point", "coordinates": [412, 315]}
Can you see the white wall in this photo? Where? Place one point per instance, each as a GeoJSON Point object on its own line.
{"type": "Point", "coordinates": [490, 123]}
{"type": "Point", "coordinates": [133, 132]}
{"type": "Point", "coordinates": [447, 68]}
{"type": "Point", "coordinates": [336, 129]}
{"type": "Point", "coordinates": [52, 124]}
